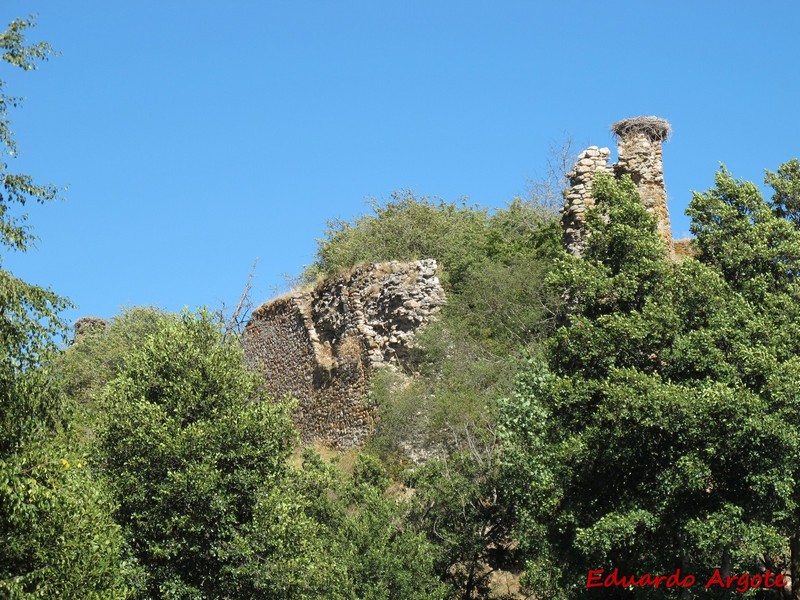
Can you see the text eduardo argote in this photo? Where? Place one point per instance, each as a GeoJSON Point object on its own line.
{"type": "Point", "coordinates": [599, 578]}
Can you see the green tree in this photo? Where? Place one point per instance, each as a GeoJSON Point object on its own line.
{"type": "Point", "coordinates": [288, 550]}
{"type": "Point", "coordinates": [385, 558]}
{"type": "Point", "coordinates": [370, 552]}
{"type": "Point", "coordinates": [458, 503]}
{"type": "Point", "coordinates": [786, 183]}
{"type": "Point", "coordinates": [30, 314]}
{"type": "Point", "coordinates": [459, 236]}
{"type": "Point", "coordinates": [89, 364]}
{"type": "Point", "coordinates": [188, 443]}
{"type": "Point", "coordinates": [57, 539]}
{"type": "Point", "coordinates": [757, 248]}
{"type": "Point", "coordinates": [494, 264]}
{"type": "Point", "coordinates": [405, 228]}
{"type": "Point", "coordinates": [651, 438]}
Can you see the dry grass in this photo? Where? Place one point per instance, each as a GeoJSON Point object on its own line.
{"type": "Point", "coordinates": [344, 460]}
{"type": "Point", "coordinates": [350, 350]}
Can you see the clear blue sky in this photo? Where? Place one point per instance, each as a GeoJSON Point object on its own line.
{"type": "Point", "coordinates": [197, 136]}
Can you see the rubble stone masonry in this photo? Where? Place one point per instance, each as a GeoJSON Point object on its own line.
{"type": "Point", "coordinates": [639, 151]}
{"type": "Point", "coordinates": [321, 344]}
{"type": "Point", "coordinates": [579, 195]}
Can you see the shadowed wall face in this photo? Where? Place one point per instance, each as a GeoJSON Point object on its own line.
{"type": "Point", "coordinates": [321, 345]}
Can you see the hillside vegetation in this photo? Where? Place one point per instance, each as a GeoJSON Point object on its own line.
{"type": "Point", "coordinates": [581, 415]}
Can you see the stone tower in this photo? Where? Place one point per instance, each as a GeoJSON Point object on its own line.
{"type": "Point", "coordinates": [639, 142]}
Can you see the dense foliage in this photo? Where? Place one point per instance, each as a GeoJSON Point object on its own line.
{"type": "Point", "coordinates": [102, 353]}
{"type": "Point", "coordinates": [197, 459]}
{"type": "Point", "coordinates": [493, 264]}
{"type": "Point", "coordinates": [616, 411]}
{"type": "Point", "coordinates": [186, 444]}
{"type": "Point", "coordinates": [660, 431]}
{"type": "Point", "coordinates": [57, 538]}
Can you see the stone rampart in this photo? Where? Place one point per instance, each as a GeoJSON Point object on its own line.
{"type": "Point", "coordinates": [321, 344]}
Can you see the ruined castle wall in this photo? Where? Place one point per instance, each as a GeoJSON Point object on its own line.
{"type": "Point", "coordinates": [639, 150]}
{"type": "Point", "coordinates": [320, 345]}
{"type": "Point", "coordinates": [579, 196]}
{"type": "Point", "coordinates": [277, 330]}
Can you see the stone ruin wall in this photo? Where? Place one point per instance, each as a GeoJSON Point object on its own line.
{"type": "Point", "coordinates": [640, 156]}
{"type": "Point", "coordinates": [579, 195]}
{"type": "Point", "coordinates": [320, 345]}
{"type": "Point", "coordinates": [639, 151]}
{"type": "Point", "coordinates": [86, 326]}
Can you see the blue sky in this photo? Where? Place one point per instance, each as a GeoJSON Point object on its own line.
{"type": "Point", "coordinates": [197, 136]}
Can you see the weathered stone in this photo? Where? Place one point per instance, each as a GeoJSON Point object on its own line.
{"type": "Point", "coordinates": [321, 345]}
{"type": "Point", "coordinates": [640, 156]}
{"type": "Point", "coordinates": [86, 326]}
{"type": "Point", "coordinates": [579, 195]}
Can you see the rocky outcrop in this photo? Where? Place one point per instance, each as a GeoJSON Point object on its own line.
{"type": "Point", "coordinates": [321, 344]}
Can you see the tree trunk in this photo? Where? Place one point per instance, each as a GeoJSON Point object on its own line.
{"type": "Point", "coordinates": [726, 563]}
{"type": "Point", "coordinates": [794, 548]}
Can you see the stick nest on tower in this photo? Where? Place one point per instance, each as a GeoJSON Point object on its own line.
{"type": "Point", "coordinates": [654, 128]}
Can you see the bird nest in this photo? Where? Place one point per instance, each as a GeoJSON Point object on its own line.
{"type": "Point", "coordinates": [654, 128]}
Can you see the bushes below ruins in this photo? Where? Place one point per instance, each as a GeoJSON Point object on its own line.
{"type": "Point", "coordinates": [617, 412]}
{"type": "Point", "coordinates": [616, 409]}
{"type": "Point", "coordinates": [655, 427]}
{"type": "Point", "coordinates": [658, 431]}
{"type": "Point", "coordinates": [197, 461]}
{"type": "Point", "coordinates": [649, 420]}
{"type": "Point", "coordinates": [493, 265]}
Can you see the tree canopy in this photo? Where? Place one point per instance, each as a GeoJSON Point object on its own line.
{"type": "Point", "coordinates": [57, 537]}
{"type": "Point", "coordinates": [653, 436]}
{"type": "Point", "coordinates": [620, 410]}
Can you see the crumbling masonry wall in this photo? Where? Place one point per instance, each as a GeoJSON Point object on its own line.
{"type": "Point", "coordinates": [579, 195]}
{"type": "Point", "coordinates": [86, 326]}
{"type": "Point", "coordinates": [639, 151]}
{"type": "Point", "coordinates": [321, 344]}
